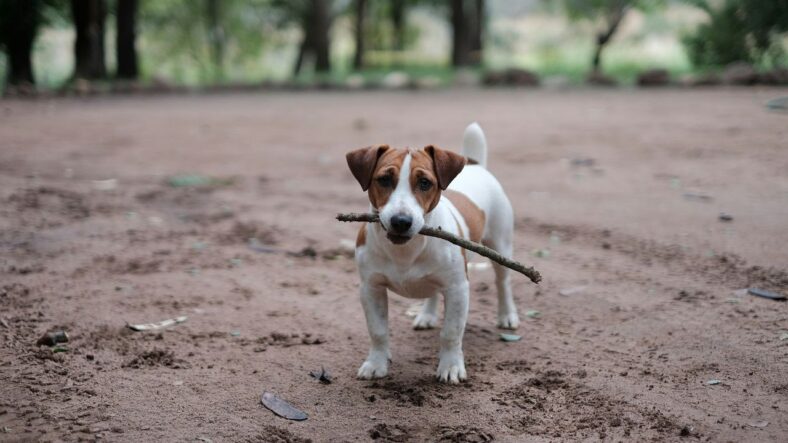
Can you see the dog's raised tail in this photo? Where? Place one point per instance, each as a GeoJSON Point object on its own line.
{"type": "Point", "coordinates": [474, 144]}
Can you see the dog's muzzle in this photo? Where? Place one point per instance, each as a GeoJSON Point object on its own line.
{"type": "Point", "coordinates": [399, 226]}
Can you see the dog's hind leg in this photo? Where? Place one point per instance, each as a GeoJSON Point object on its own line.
{"type": "Point", "coordinates": [507, 311]}
{"type": "Point", "coordinates": [428, 317]}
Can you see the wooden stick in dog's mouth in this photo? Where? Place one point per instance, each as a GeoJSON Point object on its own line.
{"type": "Point", "coordinates": [480, 249]}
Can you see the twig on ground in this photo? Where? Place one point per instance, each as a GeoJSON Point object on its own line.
{"type": "Point", "coordinates": [493, 255]}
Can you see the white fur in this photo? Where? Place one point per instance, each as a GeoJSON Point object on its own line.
{"type": "Point", "coordinates": [425, 267]}
{"type": "Point", "coordinates": [402, 201]}
{"type": "Point", "coordinates": [474, 144]}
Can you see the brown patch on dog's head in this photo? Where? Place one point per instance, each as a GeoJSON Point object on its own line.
{"type": "Point", "coordinates": [362, 163]}
{"type": "Point", "coordinates": [377, 170]}
{"type": "Point", "coordinates": [424, 180]}
{"type": "Point", "coordinates": [447, 164]}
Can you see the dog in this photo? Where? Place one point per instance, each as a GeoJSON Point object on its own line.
{"type": "Point", "coordinates": [410, 189]}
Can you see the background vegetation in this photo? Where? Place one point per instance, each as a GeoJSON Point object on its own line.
{"type": "Point", "coordinates": [48, 44]}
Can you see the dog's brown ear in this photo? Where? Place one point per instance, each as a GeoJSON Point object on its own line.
{"type": "Point", "coordinates": [447, 164]}
{"type": "Point", "coordinates": [362, 163]}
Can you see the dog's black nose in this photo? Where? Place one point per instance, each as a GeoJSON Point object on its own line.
{"type": "Point", "coordinates": [401, 223]}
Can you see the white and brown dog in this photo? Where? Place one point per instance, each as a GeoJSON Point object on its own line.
{"type": "Point", "coordinates": [409, 189]}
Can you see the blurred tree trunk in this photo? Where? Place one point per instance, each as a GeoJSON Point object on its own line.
{"type": "Point", "coordinates": [89, 17]}
{"type": "Point", "coordinates": [461, 41]}
{"type": "Point", "coordinates": [614, 18]}
{"type": "Point", "coordinates": [19, 28]}
{"type": "Point", "coordinates": [322, 26]}
{"type": "Point", "coordinates": [216, 36]}
{"type": "Point", "coordinates": [398, 20]}
{"type": "Point", "coordinates": [476, 19]}
{"type": "Point", "coordinates": [126, 36]}
{"type": "Point", "coordinates": [358, 57]}
{"type": "Point", "coordinates": [316, 24]}
{"type": "Point", "coordinates": [303, 49]}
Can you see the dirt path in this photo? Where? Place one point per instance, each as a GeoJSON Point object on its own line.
{"type": "Point", "coordinates": [623, 188]}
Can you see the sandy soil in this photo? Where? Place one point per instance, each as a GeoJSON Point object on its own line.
{"type": "Point", "coordinates": [623, 188]}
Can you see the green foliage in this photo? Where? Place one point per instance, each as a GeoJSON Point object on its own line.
{"type": "Point", "coordinates": [595, 10]}
{"type": "Point", "coordinates": [380, 30]}
{"type": "Point", "coordinates": [606, 15]}
{"type": "Point", "coordinates": [740, 30]}
{"type": "Point", "coordinates": [181, 38]}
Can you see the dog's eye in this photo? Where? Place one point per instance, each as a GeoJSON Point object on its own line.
{"type": "Point", "coordinates": [424, 184]}
{"type": "Point", "coordinates": [385, 181]}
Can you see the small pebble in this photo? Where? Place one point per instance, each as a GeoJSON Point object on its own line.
{"type": "Point", "coordinates": [533, 314]}
{"type": "Point", "coordinates": [725, 217]}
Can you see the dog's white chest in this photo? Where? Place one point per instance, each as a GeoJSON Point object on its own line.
{"type": "Point", "coordinates": [413, 284]}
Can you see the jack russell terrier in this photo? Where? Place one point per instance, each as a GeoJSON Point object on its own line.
{"type": "Point", "coordinates": [409, 189]}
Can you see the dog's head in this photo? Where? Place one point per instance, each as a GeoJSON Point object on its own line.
{"type": "Point", "coordinates": [404, 184]}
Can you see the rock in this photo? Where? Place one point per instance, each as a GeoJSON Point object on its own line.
{"type": "Point", "coordinates": [52, 338]}
{"type": "Point", "coordinates": [281, 407]}
{"type": "Point", "coordinates": [709, 79]}
{"type": "Point", "coordinates": [395, 80]}
{"type": "Point", "coordinates": [777, 76]}
{"type": "Point", "coordinates": [778, 104]}
{"type": "Point", "coordinates": [465, 78]}
{"type": "Point", "coordinates": [511, 77]}
{"type": "Point", "coordinates": [557, 82]}
{"type": "Point", "coordinates": [493, 78]}
{"type": "Point", "coordinates": [355, 81]}
{"type": "Point", "coordinates": [521, 77]}
{"type": "Point", "coordinates": [724, 217]}
{"type": "Point", "coordinates": [739, 73]}
{"type": "Point", "coordinates": [654, 77]}
{"type": "Point", "coordinates": [510, 337]}
{"type": "Point", "coordinates": [428, 82]}
{"type": "Point", "coordinates": [600, 79]}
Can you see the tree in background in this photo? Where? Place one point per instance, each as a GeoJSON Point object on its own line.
{"type": "Point", "coordinates": [314, 18]}
{"type": "Point", "coordinates": [608, 14]}
{"type": "Point", "coordinates": [125, 42]}
{"type": "Point", "coordinates": [19, 22]}
{"type": "Point", "coordinates": [216, 35]}
{"type": "Point", "coordinates": [740, 30]}
{"type": "Point", "coordinates": [89, 17]}
{"type": "Point", "coordinates": [383, 26]}
{"type": "Point", "coordinates": [316, 23]}
{"type": "Point", "coordinates": [466, 18]}
{"type": "Point", "coordinates": [477, 27]}
{"type": "Point", "coordinates": [460, 37]}
{"type": "Point", "coordinates": [199, 41]}
{"type": "Point", "coordinates": [359, 35]}
{"type": "Point", "coordinates": [398, 9]}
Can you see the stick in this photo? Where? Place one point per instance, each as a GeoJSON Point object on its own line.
{"type": "Point", "coordinates": [493, 255]}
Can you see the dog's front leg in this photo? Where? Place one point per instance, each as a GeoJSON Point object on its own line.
{"type": "Point", "coordinates": [451, 367]}
{"type": "Point", "coordinates": [375, 302]}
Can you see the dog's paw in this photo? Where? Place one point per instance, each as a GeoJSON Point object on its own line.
{"type": "Point", "coordinates": [425, 321]}
{"type": "Point", "coordinates": [508, 321]}
{"type": "Point", "coordinates": [373, 368]}
{"type": "Point", "coordinates": [451, 369]}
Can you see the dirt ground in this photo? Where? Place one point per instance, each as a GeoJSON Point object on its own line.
{"type": "Point", "coordinates": [617, 193]}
